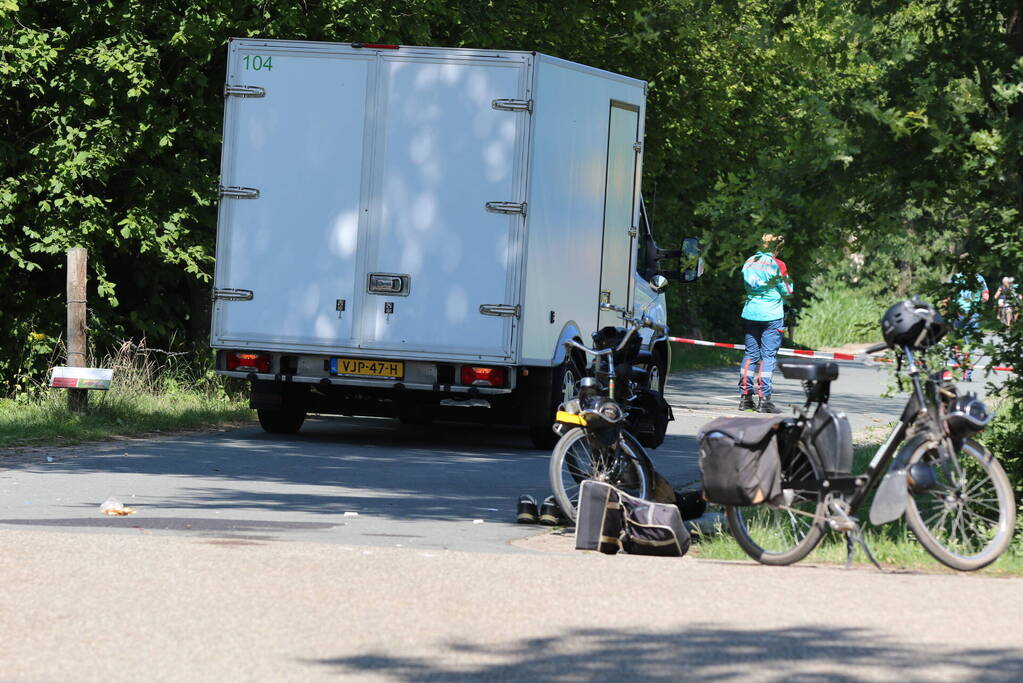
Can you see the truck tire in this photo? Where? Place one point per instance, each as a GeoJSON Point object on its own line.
{"type": "Point", "coordinates": [281, 421]}
{"type": "Point", "coordinates": [561, 388]}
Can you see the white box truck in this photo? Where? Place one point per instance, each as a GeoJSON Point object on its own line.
{"type": "Point", "coordinates": [415, 231]}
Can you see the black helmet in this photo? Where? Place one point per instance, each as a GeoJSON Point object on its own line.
{"type": "Point", "coordinates": [913, 323]}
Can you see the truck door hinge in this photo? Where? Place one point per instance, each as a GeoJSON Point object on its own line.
{"type": "Point", "coordinates": [633, 231]}
{"type": "Point", "coordinates": [231, 294]}
{"type": "Point", "coordinates": [507, 207]}
{"type": "Point", "coordinates": [235, 192]}
{"type": "Point", "coordinates": [244, 90]}
{"type": "Point", "coordinates": [502, 310]}
{"type": "Point", "coordinates": [513, 105]}
{"type": "Point", "coordinates": [637, 147]}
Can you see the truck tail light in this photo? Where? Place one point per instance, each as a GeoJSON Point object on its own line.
{"type": "Point", "coordinates": [474, 376]}
{"type": "Point", "coordinates": [246, 361]}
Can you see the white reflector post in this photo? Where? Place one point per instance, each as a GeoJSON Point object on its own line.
{"type": "Point", "coordinates": [81, 378]}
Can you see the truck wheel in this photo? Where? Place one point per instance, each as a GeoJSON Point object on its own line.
{"type": "Point", "coordinates": [658, 369]}
{"type": "Point", "coordinates": [281, 421]}
{"type": "Point", "coordinates": [561, 389]}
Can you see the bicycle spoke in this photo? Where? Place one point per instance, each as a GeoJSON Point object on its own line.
{"type": "Point", "coordinates": [979, 484]}
{"type": "Point", "coordinates": [978, 516]}
{"type": "Point", "coordinates": [987, 504]}
{"type": "Point", "coordinates": [957, 528]}
{"type": "Point", "coordinates": [943, 512]}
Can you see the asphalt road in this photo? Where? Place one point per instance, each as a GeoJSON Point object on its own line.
{"type": "Point", "coordinates": [354, 481]}
{"type": "Point", "coordinates": [242, 564]}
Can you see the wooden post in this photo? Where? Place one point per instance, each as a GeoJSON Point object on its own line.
{"type": "Point", "coordinates": [77, 260]}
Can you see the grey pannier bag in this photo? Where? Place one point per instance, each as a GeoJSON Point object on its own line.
{"type": "Point", "coordinates": [612, 521]}
{"type": "Point", "coordinates": [739, 461]}
{"type": "Point", "coordinates": [832, 439]}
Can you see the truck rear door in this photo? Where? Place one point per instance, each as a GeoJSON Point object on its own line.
{"type": "Point", "coordinates": [620, 197]}
{"type": "Point", "coordinates": [435, 255]}
{"type": "Point", "coordinates": [291, 182]}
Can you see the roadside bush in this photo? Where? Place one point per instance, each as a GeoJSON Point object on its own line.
{"type": "Point", "coordinates": [837, 315]}
{"type": "Point", "coordinates": [1005, 439]}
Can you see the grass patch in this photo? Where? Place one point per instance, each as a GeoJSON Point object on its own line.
{"type": "Point", "coordinates": [148, 394]}
{"type": "Point", "coordinates": [839, 315]}
{"type": "Point", "coordinates": [892, 544]}
{"type": "Point", "coordinates": [47, 419]}
{"type": "Point", "coordinates": [688, 357]}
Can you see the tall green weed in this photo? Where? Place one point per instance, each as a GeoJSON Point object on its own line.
{"type": "Point", "coordinates": [152, 390]}
{"type": "Point", "coordinates": [837, 315]}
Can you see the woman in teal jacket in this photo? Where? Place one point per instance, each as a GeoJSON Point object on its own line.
{"type": "Point", "coordinates": [767, 285]}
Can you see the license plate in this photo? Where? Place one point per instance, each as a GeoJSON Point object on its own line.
{"type": "Point", "coordinates": [362, 367]}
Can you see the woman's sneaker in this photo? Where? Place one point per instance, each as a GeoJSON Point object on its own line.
{"type": "Point", "coordinates": [526, 512]}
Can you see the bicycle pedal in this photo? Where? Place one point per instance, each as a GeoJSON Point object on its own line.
{"type": "Point", "coordinates": [843, 525]}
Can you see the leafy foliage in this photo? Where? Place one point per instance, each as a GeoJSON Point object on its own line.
{"type": "Point", "coordinates": [882, 138]}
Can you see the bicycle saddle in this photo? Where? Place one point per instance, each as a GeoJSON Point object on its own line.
{"type": "Point", "coordinates": [808, 370]}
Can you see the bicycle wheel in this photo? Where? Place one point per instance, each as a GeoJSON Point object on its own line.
{"type": "Point", "coordinates": [966, 520]}
{"type": "Point", "coordinates": [779, 536]}
{"type": "Point", "coordinates": [578, 457]}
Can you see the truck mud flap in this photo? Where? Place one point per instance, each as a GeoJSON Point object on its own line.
{"type": "Point", "coordinates": [278, 395]}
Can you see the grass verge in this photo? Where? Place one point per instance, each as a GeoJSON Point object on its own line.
{"type": "Point", "coordinates": [47, 419]}
{"type": "Point", "coordinates": [892, 544]}
{"type": "Point", "coordinates": [148, 394]}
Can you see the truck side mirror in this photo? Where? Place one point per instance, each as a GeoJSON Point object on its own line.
{"type": "Point", "coordinates": [690, 265]}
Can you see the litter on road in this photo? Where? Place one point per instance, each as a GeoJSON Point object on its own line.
{"type": "Point", "coordinates": [113, 507]}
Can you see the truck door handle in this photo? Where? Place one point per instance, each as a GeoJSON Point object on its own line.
{"type": "Point", "coordinates": [389, 284]}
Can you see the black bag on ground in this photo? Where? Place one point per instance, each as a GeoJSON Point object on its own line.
{"type": "Point", "coordinates": [739, 461]}
{"type": "Point", "coordinates": [690, 504]}
{"type": "Point", "coordinates": [649, 416]}
{"type": "Point", "coordinates": [611, 521]}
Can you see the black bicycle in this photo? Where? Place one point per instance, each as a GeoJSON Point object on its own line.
{"type": "Point", "coordinates": [952, 492]}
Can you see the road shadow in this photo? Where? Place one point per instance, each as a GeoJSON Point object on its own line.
{"type": "Point", "coordinates": [697, 653]}
{"type": "Point", "coordinates": [338, 465]}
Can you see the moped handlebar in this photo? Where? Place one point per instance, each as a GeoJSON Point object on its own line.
{"type": "Point", "coordinates": [612, 307]}
{"type": "Point", "coordinates": [641, 321]}
{"type": "Point", "coordinates": [576, 345]}
{"type": "Point", "coordinates": [659, 329]}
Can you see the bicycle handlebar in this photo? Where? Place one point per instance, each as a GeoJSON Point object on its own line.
{"type": "Point", "coordinates": [876, 347]}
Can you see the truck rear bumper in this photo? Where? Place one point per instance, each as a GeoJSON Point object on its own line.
{"type": "Point", "coordinates": [367, 383]}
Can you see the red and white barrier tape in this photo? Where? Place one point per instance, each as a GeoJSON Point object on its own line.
{"type": "Point", "coordinates": [832, 355]}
